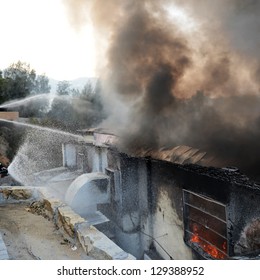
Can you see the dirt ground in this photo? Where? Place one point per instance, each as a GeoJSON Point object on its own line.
{"type": "Point", "coordinates": [29, 236]}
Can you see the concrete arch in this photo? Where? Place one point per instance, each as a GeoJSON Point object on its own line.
{"type": "Point", "coordinates": [86, 191]}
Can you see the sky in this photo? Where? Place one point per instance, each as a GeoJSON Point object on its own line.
{"type": "Point", "coordinates": [38, 32]}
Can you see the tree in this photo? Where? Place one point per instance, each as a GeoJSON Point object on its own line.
{"type": "Point", "coordinates": [62, 114]}
{"type": "Point", "coordinates": [63, 88]}
{"type": "Point", "coordinates": [92, 93]}
{"type": "Point", "coordinates": [21, 81]}
{"type": "Point", "coordinates": [42, 84]}
{"type": "Point", "coordinates": [74, 109]}
{"type": "Point", "coordinates": [87, 91]}
{"type": "Point", "coordinates": [75, 92]}
{"type": "Point", "coordinates": [3, 95]}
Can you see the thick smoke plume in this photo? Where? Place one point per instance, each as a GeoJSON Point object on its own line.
{"type": "Point", "coordinates": [192, 85]}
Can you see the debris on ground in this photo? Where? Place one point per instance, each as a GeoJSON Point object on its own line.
{"type": "Point", "coordinates": [38, 207]}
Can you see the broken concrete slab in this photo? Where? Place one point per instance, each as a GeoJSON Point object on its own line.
{"type": "Point", "coordinates": [98, 245]}
{"type": "Point", "coordinates": [67, 219]}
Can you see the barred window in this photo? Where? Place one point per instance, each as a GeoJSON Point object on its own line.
{"type": "Point", "coordinates": [205, 225]}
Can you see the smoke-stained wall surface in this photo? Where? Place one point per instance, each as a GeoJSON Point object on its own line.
{"type": "Point", "coordinates": [180, 73]}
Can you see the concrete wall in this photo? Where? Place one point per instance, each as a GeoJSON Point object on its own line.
{"type": "Point", "coordinates": [166, 212]}
{"type": "Point", "coordinates": [69, 155]}
{"type": "Point", "coordinates": [141, 208]}
{"type": "Point", "coordinates": [145, 201]}
{"type": "Point", "coordinates": [11, 116]}
{"type": "Point", "coordinates": [168, 230]}
{"type": "Point", "coordinates": [146, 207]}
{"type": "Point", "coordinates": [243, 211]}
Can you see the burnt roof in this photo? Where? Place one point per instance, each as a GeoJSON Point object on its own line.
{"type": "Point", "coordinates": [181, 155]}
{"type": "Point", "coordinates": [227, 174]}
{"type": "Point", "coordinates": [100, 130]}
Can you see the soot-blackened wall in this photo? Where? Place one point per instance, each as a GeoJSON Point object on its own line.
{"type": "Point", "coordinates": [146, 202]}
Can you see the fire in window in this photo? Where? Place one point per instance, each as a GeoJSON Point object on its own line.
{"type": "Point", "coordinates": [205, 225]}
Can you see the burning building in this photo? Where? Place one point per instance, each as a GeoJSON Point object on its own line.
{"type": "Point", "coordinates": [184, 100]}
{"type": "Point", "coordinates": [170, 207]}
{"type": "Point", "coordinates": [176, 74]}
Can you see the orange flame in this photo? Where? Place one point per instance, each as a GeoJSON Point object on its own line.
{"type": "Point", "coordinates": [208, 248]}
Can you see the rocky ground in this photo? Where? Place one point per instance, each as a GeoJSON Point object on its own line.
{"type": "Point", "coordinates": [29, 236]}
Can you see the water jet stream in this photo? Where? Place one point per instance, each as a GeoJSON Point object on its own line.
{"type": "Point", "coordinates": [41, 150]}
{"type": "Point", "coordinates": [79, 137]}
{"type": "Point", "coordinates": [16, 103]}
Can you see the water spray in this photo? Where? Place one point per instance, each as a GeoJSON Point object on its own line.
{"type": "Point", "coordinates": [40, 151]}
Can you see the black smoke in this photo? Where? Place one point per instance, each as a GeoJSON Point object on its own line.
{"type": "Point", "coordinates": [198, 88]}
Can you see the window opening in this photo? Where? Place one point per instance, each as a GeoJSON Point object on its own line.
{"type": "Point", "coordinates": [205, 225]}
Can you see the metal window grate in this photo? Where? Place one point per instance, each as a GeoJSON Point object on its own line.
{"type": "Point", "coordinates": [205, 225]}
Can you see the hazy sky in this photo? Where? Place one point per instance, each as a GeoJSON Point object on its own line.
{"type": "Point", "coordinates": [38, 32]}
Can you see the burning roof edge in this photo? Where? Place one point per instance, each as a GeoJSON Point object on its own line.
{"type": "Point", "coordinates": [228, 174]}
{"type": "Point", "coordinates": [194, 160]}
{"type": "Point", "coordinates": [179, 154]}
{"type": "Point", "coordinates": [99, 130]}
{"type": "Point", "coordinates": [186, 157]}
